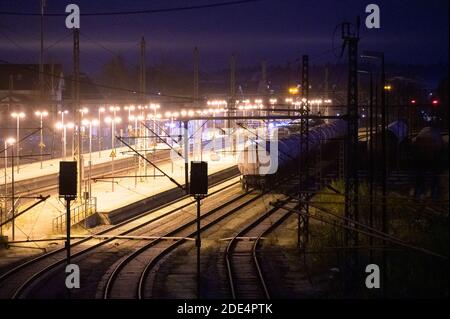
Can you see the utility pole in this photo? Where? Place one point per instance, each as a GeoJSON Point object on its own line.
{"type": "Point", "coordinates": [76, 108]}
{"type": "Point", "coordinates": [383, 143]}
{"type": "Point", "coordinates": [351, 183]}
{"type": "Point", "coordinates": [41, 55]}
{"type": "Point", "coordinates": [264, 76]}
{"type": "Point", "coordinates": [326, 88]}
{"type": "Point", "coordinates": [303, 216]}
{"type": "Point", "coordinates": [351, 40]}
{"type": "Point", "coordinates": [186, 155]}
{"type": "Point", "coordinates": [233, 77]}
{"type": "Point", "coordinates": [142, 77]}
{"type": "Point", "coordinates": [231, 102]}
{"type": "Point", "coordinates": [142, 89]}
{"type": "Point", "coordinates": [196, 76]}
{"type": "Point", "coordinates": [13, 206]}
{"type": "Point", "coordinates": [11, 88]}
{"type": "Point", "coordinates": [198, 123]}
{"type": "Point", "coordinates": [371, 160]}
{"type": "Point", "coordinates": [384, 221]}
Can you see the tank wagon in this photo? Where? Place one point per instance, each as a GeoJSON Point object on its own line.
{"type": "Point", "coordinates": [396, 139]}
{"type": "Point", "coordinates": [260, 167]}
{"type": "Point", "coordinates": [427, 148]}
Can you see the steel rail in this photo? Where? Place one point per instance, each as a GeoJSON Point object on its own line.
{"type": "Point", "coordinates": [112, 278]}
{"type": "Point", "coordinates": [18, 291]}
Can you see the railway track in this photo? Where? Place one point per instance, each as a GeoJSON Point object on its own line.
{"type": "Point", "coordinates": [133, 270]}
{"type": "Point", "coordinates": [245, 277]}
{"type": "Point", "coordinates": [17, 280]}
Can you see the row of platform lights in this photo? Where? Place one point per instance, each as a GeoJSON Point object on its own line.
{"type": "Point", "coordinates": [112, 120]}
{"type": "Point", "coordinates": [220, 105]}
{"type": "Point", "coordinates": [215, 106]}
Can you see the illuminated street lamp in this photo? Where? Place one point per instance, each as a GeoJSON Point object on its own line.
{"type": "Point", "coordinates": [83, 111]}
{"type": "Point", "coordinates": [113, 121]}
{"type": "Point", "coordinates": [129, 109]}
{"type": "Point", "coordinates": [41, 115]}
{"type": "Point", "coordinates": [154, 107]}
{"type": "Point", "coordinates": [89, 124]}
{"type": "Point", "coordinates": [114, 109]}
{"type": "Point", "coordinates": [63, 128]}
{"type": "Point", "coordinates": [63, 137]}
{"type": "Point", "coordinates": [293, 90]}
{"type": "Point", "coordinates": [99, 134]}
{"type": "Point", "coordinates": [18, 116]}
{"type": "Point", "coordinates": [134, 118]}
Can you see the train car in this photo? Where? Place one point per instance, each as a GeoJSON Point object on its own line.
{"type": "Point", "coordinates": [261, 163]}
{"type": "Point", "coordinates": [427, 148]}
{"type": "Point", "coordinates": [396, 139]}
{"type": "Point", "coordinates": [428, 151]}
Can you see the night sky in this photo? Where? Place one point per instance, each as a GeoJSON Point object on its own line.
{"type": "Point", "coordinates": [279, 31]}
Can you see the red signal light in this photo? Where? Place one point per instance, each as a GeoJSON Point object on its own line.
{"type": "Point", "coordinates": [435, 102]}
{"type": "Point", "coordinates": [413, 101]}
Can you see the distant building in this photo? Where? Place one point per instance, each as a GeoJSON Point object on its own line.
{"type": "Point", "coordinates": [20, 89]}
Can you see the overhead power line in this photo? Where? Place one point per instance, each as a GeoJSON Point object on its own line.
{"type": "Point", "coordinates": [148, 11]}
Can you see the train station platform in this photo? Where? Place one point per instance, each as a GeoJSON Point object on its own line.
{"type": "Point", "coordinates": [131, 195]}
{"type": "Point", "coordinates": [34, 170]}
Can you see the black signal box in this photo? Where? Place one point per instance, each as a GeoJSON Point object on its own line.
{"type": "Point", "coordinates": [199, 178]}
{"type": "Point", "coordinates": [68, 179]}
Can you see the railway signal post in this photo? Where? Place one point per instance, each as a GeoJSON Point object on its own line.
{"type": "Point", "coordinates": [199, 189]}
{"type": "Point", "coordinates": [68, 191]}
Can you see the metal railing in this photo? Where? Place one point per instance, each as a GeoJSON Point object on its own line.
{"type": "Point", "coordinates": [77, 215]}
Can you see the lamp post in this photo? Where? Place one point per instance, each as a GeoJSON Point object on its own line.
{"type": "Point", "coordinates": [84, 111]}
{"type": "Point", "coordinates": [113, 122]}
{"type": "Point", "coordinates": [89, 124]}
{"type": "Point", "coordinates": [132, 118]}
{"type": "Point", "coordinates": [18, 116]}
{"type": "Point", "coordinates": [154, 107]}
{"type": "Point", "coordinates": [169, 117]}
{"type": "Point", "coordinates": [137, 160]}
{"type": "Point", "coordinates": [63, 128]}
{"type": "Point", "coordinates": [63, 135]}
{"type": "Point", "coordinates": [99, 134]}
{"type": "Point", "coordinates": [129, 109]}
{"type": "Point", "coordinates": [81, 128]}
{"type": "Point", "coordinates": [272, 103]}
{"type": "Point", "coordinates": [114, 110]}
{"type": "Point", "coordinates": [139, 145]}
{"type": "Point", "coordinates": [41, 115]}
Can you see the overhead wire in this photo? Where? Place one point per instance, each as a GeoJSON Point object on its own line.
{"type": "Point", "coordinates": [135, 12]}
